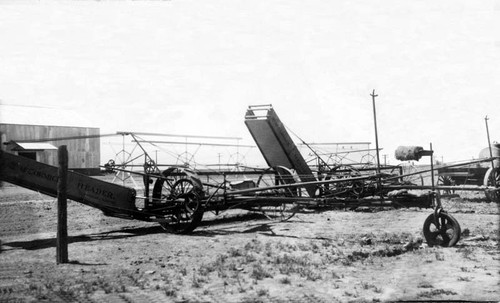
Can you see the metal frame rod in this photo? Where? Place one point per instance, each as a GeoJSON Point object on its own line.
{"type": "Point", "coordinates": [177, 136]}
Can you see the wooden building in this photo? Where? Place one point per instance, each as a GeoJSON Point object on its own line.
{"type": "Point", "coordinates": [36, 133]}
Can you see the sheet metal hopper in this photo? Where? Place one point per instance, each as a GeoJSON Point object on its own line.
{"type": "Point", "coordinates": [275, 144]}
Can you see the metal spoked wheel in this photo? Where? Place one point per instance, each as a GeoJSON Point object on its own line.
{"type": "Point", "coordinates": [414, 178]}
{"type": "Point", "coordinates": [492, 178]}
{"type": "Point", "coordinates": [189, 213]}
{"type": "Point", "coordinates": [347, 189]}
{"type": "Point", "coordinates": [441, 231]}
{"type": "Point", "coordinates": [179, 195]}
{"type": "Point", "coordinates": [277, 176]}
{"type": "Point", "coordinates": [446, 181]}
{"type": "Point", "coordinates": [163, 187]}
{"type": "Point", "coordinates": [281, 212]}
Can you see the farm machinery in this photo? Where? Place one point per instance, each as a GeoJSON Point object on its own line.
{"type": "Point", "coordinates": [474, 173]}
{"type": "Point", "coordinates": [178, 197]}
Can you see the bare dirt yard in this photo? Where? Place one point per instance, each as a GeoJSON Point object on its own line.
{"type": "Point", "coordinates": [327, 256]}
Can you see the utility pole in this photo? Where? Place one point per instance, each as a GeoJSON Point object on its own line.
{"type": "Point", "coordinates": [219, 160]}
{"type": "Point", "coordinates": [493, 175]}
{"type": "Point", "coordinates": [489, 142]}
{"type": "Point", "coordinates": [376, 133]}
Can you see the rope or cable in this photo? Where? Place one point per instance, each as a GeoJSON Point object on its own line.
{"type": "Point", "coordinates": [308, 146]}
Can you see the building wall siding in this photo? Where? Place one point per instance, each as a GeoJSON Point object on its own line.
{"type": "Point", "coordinates": [84, 153]}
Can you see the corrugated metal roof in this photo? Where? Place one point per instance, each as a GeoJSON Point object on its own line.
{"type": "Point", "coordinates": [34, 115]}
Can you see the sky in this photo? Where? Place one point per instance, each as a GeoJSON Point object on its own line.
{"type": "Point", "coordinates": [194, 66]}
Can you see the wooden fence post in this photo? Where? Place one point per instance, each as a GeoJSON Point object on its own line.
{"type": "Point", "coordinates": [62, 209]}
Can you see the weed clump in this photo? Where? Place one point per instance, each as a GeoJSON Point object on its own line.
{"type": "Point", "coordinates": [259, 272]}
{"type": "Point", "coordinates": [436, 292]}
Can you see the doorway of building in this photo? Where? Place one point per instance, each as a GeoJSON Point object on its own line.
{"type": "Point", "coordinates": [27, 154]}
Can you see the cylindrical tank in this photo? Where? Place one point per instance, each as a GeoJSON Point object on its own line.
{"type": "Point", "coordinates": [408, 153]}
{"type": "Point", "coordinates": [495, 150]}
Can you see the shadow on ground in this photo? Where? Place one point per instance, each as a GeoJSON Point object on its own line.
{"type": "Point", "coordinates": [124, 233]}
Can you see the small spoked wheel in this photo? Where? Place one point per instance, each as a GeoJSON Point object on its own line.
{"type": "Point", "coordinates": [411, 176]}
{"type": "Point", "coordinates": [347, 189]}
{"type": "Point", "coordinates": [441, 231]}
{"type": "Point", "coordinates": [150, 167]}
{"type": "Point", "coordinates": [281, 212]}
{"type": "Point", "coordinates": [446, 181]}
{"type": "Point", "coordinates": [278, 175]}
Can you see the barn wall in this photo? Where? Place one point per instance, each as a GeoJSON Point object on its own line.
{"type": "Point", "coordinates": [83, 153]}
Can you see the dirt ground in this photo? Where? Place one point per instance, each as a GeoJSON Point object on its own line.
{"type": "Point", "coordinates": [328, 256]}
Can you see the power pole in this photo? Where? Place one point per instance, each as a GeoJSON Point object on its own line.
{"type": "Point", "coordinates": [376, 136]}
{"type": "Point", "coordinates": [219, 160]}
{"type": "Point", "coordinates": [489, 142]}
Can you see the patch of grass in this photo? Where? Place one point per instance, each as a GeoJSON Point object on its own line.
{"type": "Point", "coordinates": [346, 261]}
{"type": "Point", "coordinates": [301, 265]}
{"type": "Point", "coordinates": [253, 245]}
{"type": "Point", "coordinates": [464, 279]}
{"type": "Point", "coordinates": [288, 259]}
{"type": "Point", "coordinates": [368, 286]}
{"type": "Point", "coordinates": [232, 266]}
{"type": "Point", "coordinates": [439, 256]}
{"type": "Point", "coordinates": [314, 247]}
{"type": "Point", "coordinates": [253, 299]}
{"type": "Point", "coordinates": [82, 286]}
{"type": "Point", "coordinates": [216, 266]}
{"type": "Point", "coordinates": [249, 257]}
{"type": "Point", "coordinates": [467, 253]}
{"type": "Point", "coordinates": [39, 291]}
{"type": "Point", "coordinates": [197, 280]}
{"type": "Point", "coordinates": [310, 274]}
{"type": "Point", "coordinates": [170, 290]}
{"type": "Point", "coordinates": [304, 246]}
{"type": "Point", "coordinates": [326, 243]}
{"type": "Point", "coordinates": [241, 289]}
{"type": "Point", "coordinates": [221, 259]}
{"type": "Point", "coordinates": [425, 285]}
{"type": "Point", "coordinates": [262, 292]}
{"type": "Point", "coordinates": [259, 272]}
{"type": "Point", "coordinates": [206, 269]}
{"type": "Point", "coordinates": [358, 255]}
{"type": "Point", "coordinates": [268, 249]}
{"type": "Point", "coordinates": [435, 292]}
{"type": "Point", "coordinates": [396, 238]}
{"type": "Point", "coordinates": [285, 280]}
{"type": "Point", "coordinates": [234, 252]}
{"type": "Point", "coordinates": [350, 294]}
{"type": "Point", "coordinates": [285, 247]}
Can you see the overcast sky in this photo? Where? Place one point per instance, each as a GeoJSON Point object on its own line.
{"type": "Point", "coordinates": [193, 67]}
